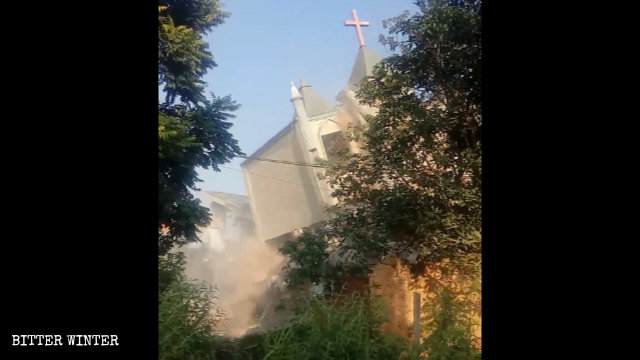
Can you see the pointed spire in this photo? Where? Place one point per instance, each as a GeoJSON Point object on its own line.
{"type": "Point", "coordinates": [363, 67]}
{"type": "Point", "coordinates": [294, 92]}
{"type": "Point", "coordinates": [302, 83]}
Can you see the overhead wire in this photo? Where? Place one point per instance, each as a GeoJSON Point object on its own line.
{"type": "Point", "coordinates": [274, 178]}
{"type": "Point", "coordinates": [287, 162]}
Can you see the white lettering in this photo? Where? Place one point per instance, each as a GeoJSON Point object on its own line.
{"type": "Point", "coordinates": [72, 340]}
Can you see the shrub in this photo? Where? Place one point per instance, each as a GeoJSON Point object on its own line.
{"type": "Point", "coordinates": [186, 313]}
{"type": "Point", "coordinates": [341, 327]}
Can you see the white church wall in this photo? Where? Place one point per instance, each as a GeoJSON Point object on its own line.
{"type": "Point", "coordinates": [283, 197]}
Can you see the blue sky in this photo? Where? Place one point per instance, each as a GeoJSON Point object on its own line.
{"type": "Point", "coordinates": [266, 44]}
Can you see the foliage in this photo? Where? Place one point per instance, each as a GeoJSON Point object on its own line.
{"type": "Point", "coordinates": [186, 316]}
{"type": "Point", "coordinates": [248, 347]}
{"type": "Point", "coordinates": [194, 132]}
{"type": "Point", "coordinates": [200, 15]}
{"type": "Point", "coordinates": [415, 192]}
{"type": "Point", "coordinates": [348, 327]}
{"type": "Point", "coordinates": [309, 260]}
{"type": "Point", "coordinates": [189, 138]}
{"type": "Point", "coordinates": [183, 55]}
{"type": "Point", "coordinates": [450, 330]}
{"type": "Point", "coordinates": [342, 327]}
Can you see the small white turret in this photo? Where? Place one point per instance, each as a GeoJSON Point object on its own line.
{"type": "Point", "coordinates": [295, 94]}
{"type": "Point", "coordinates": [303, 121]}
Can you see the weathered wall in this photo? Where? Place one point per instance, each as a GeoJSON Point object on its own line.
{"type": "Point", "coordinates": [394, 283]}
{"type": "Point", "coordinates": [391, 282]}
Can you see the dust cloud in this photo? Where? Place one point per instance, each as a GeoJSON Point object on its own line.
{"type": "Point", "coordinates": [243, 269]}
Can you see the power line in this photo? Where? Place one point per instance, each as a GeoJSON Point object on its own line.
{"type": "Point", "coordinates": [295, 163]}
{"type": "Point", "coordinates": [287, 162]}
{"type": "Point", "coordinates": [278, 179]}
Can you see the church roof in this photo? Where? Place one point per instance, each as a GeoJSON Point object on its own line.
{"type": "Point", "coordinates": [270, 142]}
{"type": "Point", "coordinates": [240, 203]}
{"type": "Point", "coordinates": [232, 198]}
{"type": "Point", "coordinates": [229, 199]}
{"type": "Point", "coordinates": [314, 104]}
{"type": "Point", "coordinates": [365, 61]}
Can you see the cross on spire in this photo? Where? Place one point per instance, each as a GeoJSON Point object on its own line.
{"type": "Point", "coordinates": [357, 23]}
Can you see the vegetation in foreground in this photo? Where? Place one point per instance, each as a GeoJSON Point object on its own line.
{"type": "Point", "coordinates": [187, 315]}
{"type": "Point", "coordinates": [349, 327]}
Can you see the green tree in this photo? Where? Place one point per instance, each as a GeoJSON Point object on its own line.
{"type": "Point", "coordinates": [183, 55]}
{"type": "Point", "coordinates": [415, 192]}
{"type": "Point", "coordinates": [193, 131]}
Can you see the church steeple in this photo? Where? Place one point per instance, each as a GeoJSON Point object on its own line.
{"type": "Point", "coordinates": [363, 67]}
{"type": "Point", "coordinates": [366, 59]}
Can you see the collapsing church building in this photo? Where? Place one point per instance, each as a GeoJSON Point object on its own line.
{"type": "Point", "coordinates": [285, 198]}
